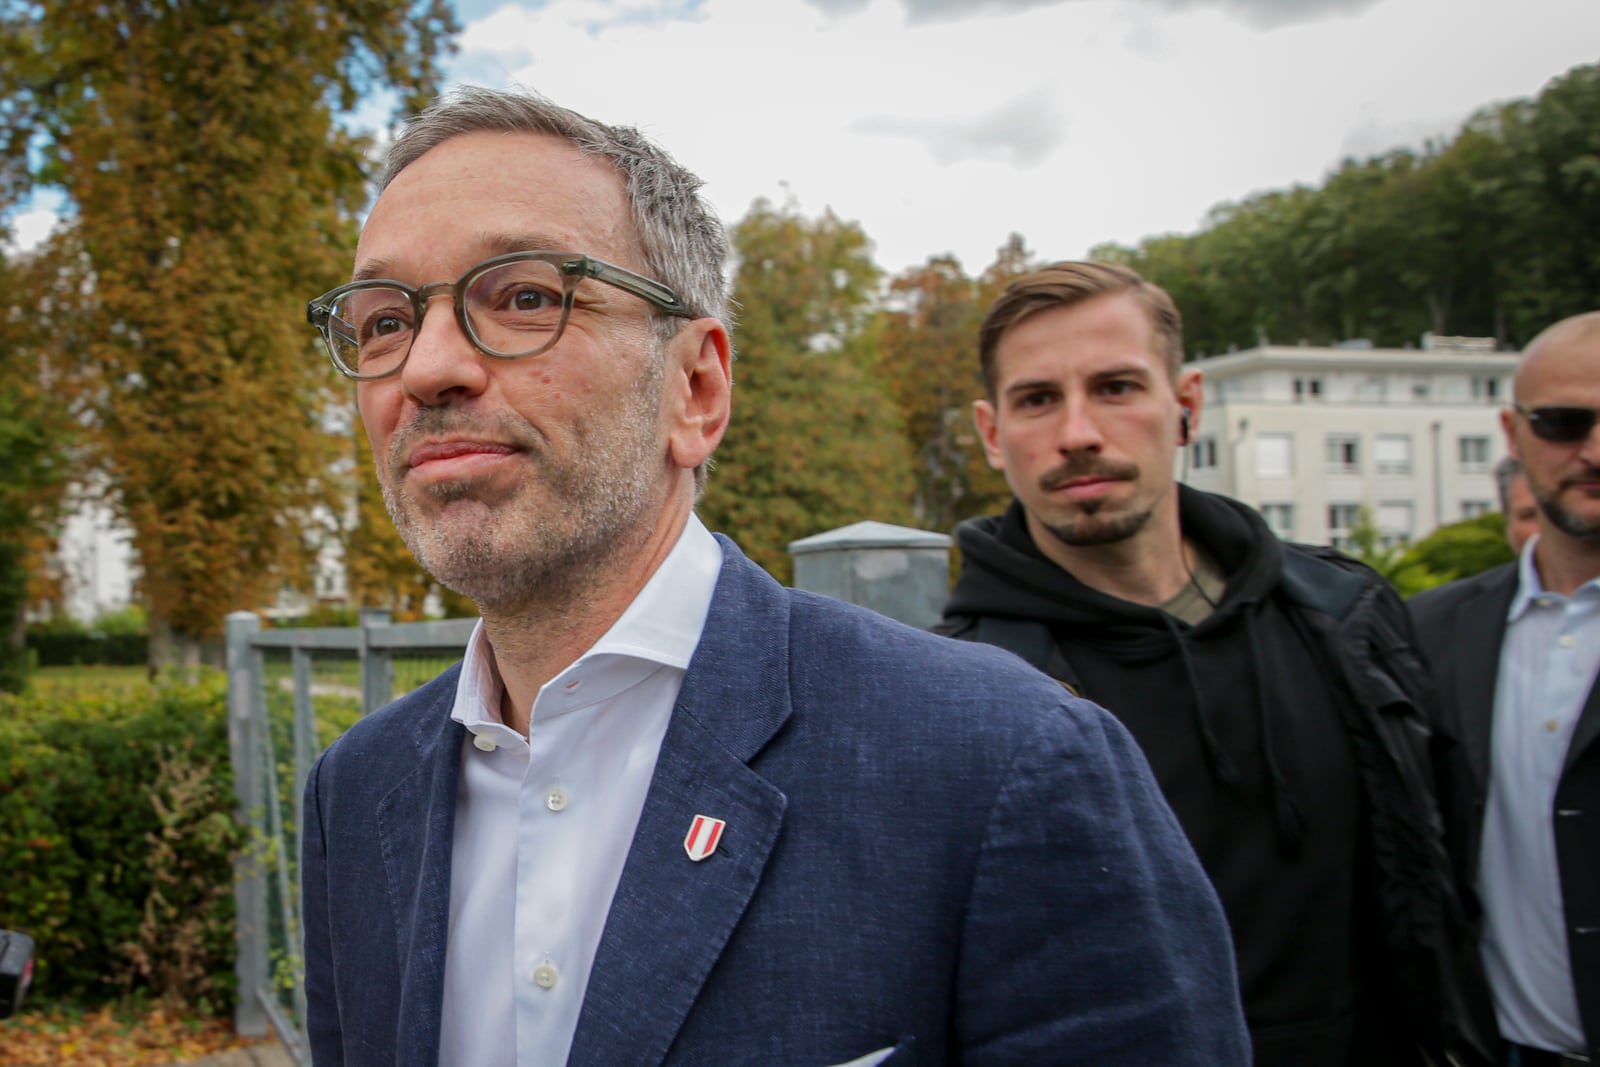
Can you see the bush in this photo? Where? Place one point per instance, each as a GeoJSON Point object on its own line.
{"type": "Point", "coordinates": [116, 838]}
{"type": "Point", "coordinates": [65, 648]}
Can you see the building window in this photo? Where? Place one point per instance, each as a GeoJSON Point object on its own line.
{"type": "Point", "coordinates": [1486, 389]}
{"type": "Point", "coordinates": [1419, 389]}
{"type": "Point", "coordinates": [1203, 453]}
{"type": "Point", "coordinates": [1372, 389]}
{"type": "Point", "coordinates": [1471, 509]}
{"type": "Point", "coordinates": [1392, 453]}
{"type": "Point", "coordinates": [1280, 519]}
{"type": "Point", "coordinates": [1274, 455]}
{"type": "Point", "coordinates": [1473, 453]}
{"type": "Point", "coordinates": [1343, 453]}
{"type": "Point", "coordinates": [1307, 387]}
{"type": "Point", "coordinates": [1342, 519]}
{"type": "Point", "coordinates": [1394, 523]}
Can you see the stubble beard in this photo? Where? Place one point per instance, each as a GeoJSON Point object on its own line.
{"type": "Point", "coordinates": [510, 554]}
{"type": "Point", "coordinates": [1563, 518]}
{"type": "Point", "coordinates": [1088, 529]}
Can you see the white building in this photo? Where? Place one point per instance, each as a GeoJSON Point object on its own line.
{"type": "Point", "coordinates": [1311, 435]}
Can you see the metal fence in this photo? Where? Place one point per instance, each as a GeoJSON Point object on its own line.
{"type": "Point", "coordinates": [292, 691]}
{"type": "Point", "coordinates": [273, 701]}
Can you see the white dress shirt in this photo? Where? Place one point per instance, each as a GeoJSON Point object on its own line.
{"type": "Point", "coordinates": [1548, 663]}
{"type": "Point", "coordinates": [543, 824]}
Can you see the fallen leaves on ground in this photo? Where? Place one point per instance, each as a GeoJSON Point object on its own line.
{"type": "Point", "coordinates": [127, 1036]}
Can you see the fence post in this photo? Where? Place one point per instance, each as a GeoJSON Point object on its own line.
{"type": "Point", "coordinates": [377, 666]}
{"type": "Point", "coordinates": [894, 570]}
{"type": "Point", "coordinates": [249, 879]}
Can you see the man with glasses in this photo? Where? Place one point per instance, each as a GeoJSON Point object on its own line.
{"type": "Point", "coordinates": [666, 811]}
{"type": "Point", "coordinates": [1514, 653]}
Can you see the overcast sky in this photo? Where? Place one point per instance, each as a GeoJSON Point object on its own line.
{"type": "Point", "coordinates": [945, 125]}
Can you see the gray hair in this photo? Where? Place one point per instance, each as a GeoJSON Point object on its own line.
{"type": "Point", "coordinates": [685, 246]}
{"type": "Point", "coordinates": [1505, 472]}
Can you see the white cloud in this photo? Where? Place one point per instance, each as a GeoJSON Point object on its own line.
{"type": "Point", "coordinates": [1071, 122]}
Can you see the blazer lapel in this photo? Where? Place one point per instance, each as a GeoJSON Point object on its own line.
{"type": "Point", "coordinates": [1587, 731]}
{"type": "Point", "coordinates": [418, 867]}
{"type": "Point", "coordinates": [672, 916]}
{"type": "Point", "coordinates": [1481, 629]}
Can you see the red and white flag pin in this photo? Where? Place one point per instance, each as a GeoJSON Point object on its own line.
{"type": "Point", "coordinates": [704, 833]}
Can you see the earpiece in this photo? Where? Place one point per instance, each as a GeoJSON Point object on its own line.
{"type": "Point", "coordinates": [1183, 427]}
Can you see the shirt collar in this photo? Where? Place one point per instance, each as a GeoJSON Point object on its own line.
{"type": "Point", "coordinates": [1529, 588]}
{"type": "Point", "coordinates": [661, 626]}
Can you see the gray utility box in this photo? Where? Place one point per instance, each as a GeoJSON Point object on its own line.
{"type": "Point", "coordinates": [894, 570]}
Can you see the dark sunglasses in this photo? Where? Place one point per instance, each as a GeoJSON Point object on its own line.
{"type": "Point", "coordinates": [1562, 425]}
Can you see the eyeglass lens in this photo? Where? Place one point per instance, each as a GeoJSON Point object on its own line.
{"type": "Point", "coordinates": [514, 309]}
{"type": "Point", "coordinates": [1561, 424]}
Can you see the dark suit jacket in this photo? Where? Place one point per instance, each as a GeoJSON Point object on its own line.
{"type": "Point", "coordinates": [1460, 627]}
{"type": "Point", "coordinates": [929, 847]}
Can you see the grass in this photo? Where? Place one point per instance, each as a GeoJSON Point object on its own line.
{"type": "Point", "coordinates": [72, 682]}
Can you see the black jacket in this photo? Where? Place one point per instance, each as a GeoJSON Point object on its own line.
{"type": "Point", "coordinates": [1290, 732]}
{"type": "Point", "coordinates": [1460, 627]}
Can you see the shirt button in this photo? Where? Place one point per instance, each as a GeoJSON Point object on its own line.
{"type": "Point", "coordinates": [556, 799]}
{"type": "Point", "coordinates": [545, 976]}
{"type": "Point", "coordinates": [483, 742]}
{"type": "Point", "coordinates": [1567, 641]}
{"type": "Point", "coordinates": [1552, 725]}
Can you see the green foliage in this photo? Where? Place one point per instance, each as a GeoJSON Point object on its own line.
{"type": "Point", "coordinates": [89, 647]}
{"type": "Point", "coordinates": [116, 839]}
{"type": "Point", "coordinates": [118, 639]}
{"type": "Point", "coordinates": [1459, 550]}
{"type": "Point", "coordinates": [213, 187]}
{"type": "Point", "coordinates": [928, 361]}
{"type": "Point", "coordinates": [814, 443]}
{"type": "Point", "coordinates": [34, 432]}
{"type": "Point", "coordinates": [1490, 234]}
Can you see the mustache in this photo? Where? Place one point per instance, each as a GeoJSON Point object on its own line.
{"type": "Point", "coordinates": [1086, 466]}
{"type": "Point", "coordinates": [1588, 474]}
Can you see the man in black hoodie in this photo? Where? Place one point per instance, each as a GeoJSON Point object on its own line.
{"type": "Point", "coordinates": [1274, 688]}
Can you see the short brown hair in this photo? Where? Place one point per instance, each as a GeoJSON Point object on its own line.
{"type": "Point", "coordinates": [1063, 285]}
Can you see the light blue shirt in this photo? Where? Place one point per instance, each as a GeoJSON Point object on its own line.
{"type": "Point", "coordinates": [1548, 663]}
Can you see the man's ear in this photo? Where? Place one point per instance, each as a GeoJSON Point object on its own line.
{"type": "Point", "coordinates": [984, 418]}
{"type": "Point", "coordinates": [1508, 423]}
{"type": "Point", "coordinates": [1192, 396]}
{"type": "Point", "coordinates": [698, 391]}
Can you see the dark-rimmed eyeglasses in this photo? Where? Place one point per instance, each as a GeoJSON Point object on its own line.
{"type": "Point", "coordinates": [509, 307]}
{"type": "Point", "coordinates": [1559, 424]}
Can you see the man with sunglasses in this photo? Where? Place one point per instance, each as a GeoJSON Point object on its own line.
{"type": "Point", "coordinates": [1515, 653]}
{"type": "Point", "coordinates": [665, 810]}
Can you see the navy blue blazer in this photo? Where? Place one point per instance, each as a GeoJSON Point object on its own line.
{"type": "Point", "coordinates": [930, 848]}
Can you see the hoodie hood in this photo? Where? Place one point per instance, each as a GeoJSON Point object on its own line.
{"type": "Point", "coordinates": [1004, 574]}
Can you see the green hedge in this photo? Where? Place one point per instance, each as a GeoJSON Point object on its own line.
{"type": "Point", "coordinates": [116, 839]}
{"type": "Point", "coordinates": [70, 649]}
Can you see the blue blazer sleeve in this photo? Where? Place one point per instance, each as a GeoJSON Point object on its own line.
{"type": "Point", "coordinates": [1092, 934]}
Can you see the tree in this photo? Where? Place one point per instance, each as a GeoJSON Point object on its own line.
{"type": "Point", "coordinates": [212, 191]}
{"type": "Point", "coordinates": [814, 443]}
{"type": "Point", "coordinates": [36, 434]}
{"type": "Point", "coordinates": [1459, 550]}
{"type": "Point", "coordinates": [929, 364]}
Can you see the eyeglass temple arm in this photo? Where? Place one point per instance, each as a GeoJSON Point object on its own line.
{"type": "Point", "coordinates": [638, 285]}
